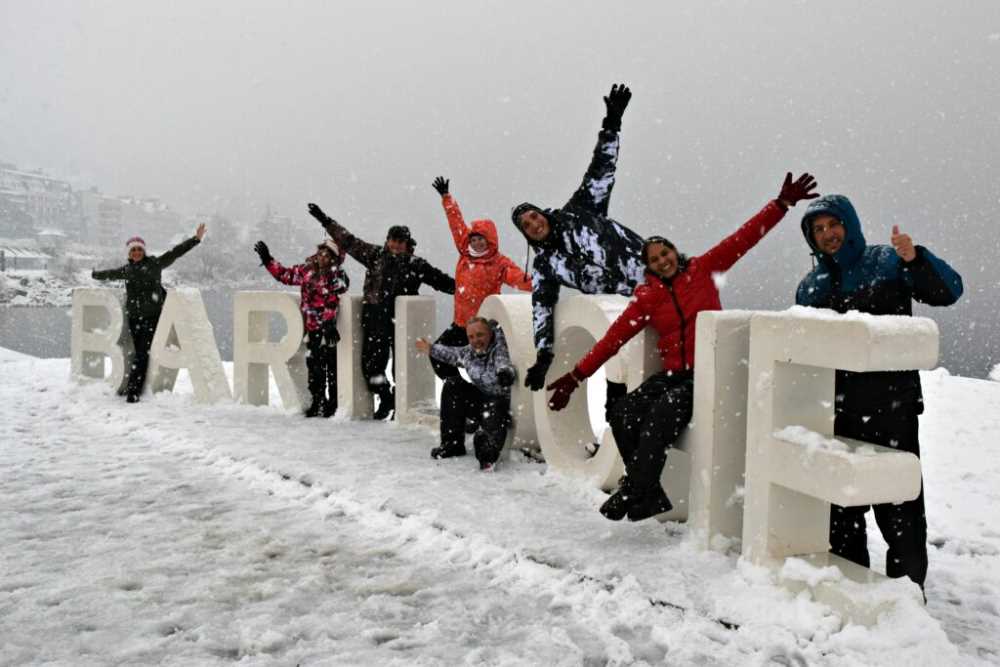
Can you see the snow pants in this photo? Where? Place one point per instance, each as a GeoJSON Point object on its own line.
{"type": "Point", "coordinates": [378, 330]}
{"type": "Point", "coordinates": [142, 328]}
{"type": "Point", "coordinates": [903, 525]}
{"type": "Point", "coordinates": [647, 422]}
{"type": "Point", "coordinates": [453, 336]}
{"type": "Point", "coordinates": [322, 364]}
{"type": "Point", "coordinates": [461, 401]}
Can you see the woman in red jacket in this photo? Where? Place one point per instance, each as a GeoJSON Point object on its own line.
{"type": "Point", "coordinates": [323, 280]}
{"type": "Point", "coordinates": [480, 272]}
{"type": "Point", "coordinates": [649, 420]}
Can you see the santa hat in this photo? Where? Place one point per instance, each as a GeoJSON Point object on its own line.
{"type": "Point", "coordinates": [135, 242]}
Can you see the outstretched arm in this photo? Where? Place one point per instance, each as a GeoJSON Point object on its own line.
{"type": "Point", "coordinates": [110, 274]}
{"type": "Point", "coordinates": [456, 223]}
{"type": "Point", "coordinates": [178, 251]}
{"type": "Point", "coordinates": [595, 191]}
{"type": "Point", "coordinates": [362, 251]}
{"type": "Point", "coordinates": [436, 278]}
{"type": "Point", "coordinates": [728, 251]}
{"type": "Point", "coordinates": [514, 276]}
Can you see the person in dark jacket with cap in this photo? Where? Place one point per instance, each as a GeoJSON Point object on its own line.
{"type": "Point", "coordinates": [392, 270]}
{"type": "Point", "coordinates": [579, 246]}
{"type": "Point", "coordinates": [881, 407]}
{"type": "Point", "coordinates": [144, 297]}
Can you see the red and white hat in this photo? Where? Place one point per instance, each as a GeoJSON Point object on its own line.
{"type": "Point", "coordinates": [135, 242]}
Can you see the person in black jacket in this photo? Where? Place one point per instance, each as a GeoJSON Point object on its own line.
{"type": "Point", "coordinates": [579, 246]}
{"type": "Point", "coordinates": [880, 407]}
{"type": "Point", "coordinates": [392, 270]}
{"type": "Point", "coordinates": [144, 297]}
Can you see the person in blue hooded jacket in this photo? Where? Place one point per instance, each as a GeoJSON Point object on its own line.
{"type": "Point", "coordinates": [879, 407]}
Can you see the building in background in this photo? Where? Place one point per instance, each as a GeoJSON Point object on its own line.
{"type": "Point", "coordinates": [31, 201]}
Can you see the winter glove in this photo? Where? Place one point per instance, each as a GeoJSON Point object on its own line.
{"type": "Point", "coordinates": [794, 192]}
{"type": "Point", "coordinates": [535, 378]}
{"type": "Point", "coordinates": [441, 185]}
{"type": "Point", "coordinates": [616, 101]}
{"type": "Point", "coordinates": [316, 212]}
{"type": "Point", "coordinates": [505, 376]}
{"type": "Point", "coordinates": [562, 389]}
{"type": "Point", "coordinates": [265, 255]}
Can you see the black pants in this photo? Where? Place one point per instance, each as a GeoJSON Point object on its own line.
{"type": "Point", "coordinates": [378, 330]}
{"type": "Point", "coordinates": [142, 328]}
{"type": "Point", "coordinates": [453, 336]}
{"type": "Point", "coordinates": [322, 364]}
{"type": "Point", "coordinates": [903, 525]}
{"type": "Point", "coordinates": [647, 422]}
{"type": "Point", "coordinates": [461, 400]}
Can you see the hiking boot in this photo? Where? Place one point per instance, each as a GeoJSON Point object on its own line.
{"type": "Point", "coordinates": [315, 408]}
{"type": "Point", "coordinates": [654, 502]}
{"type": "Point", "coordinates": [447, 452]}
{"type": "Point", "coordinates": [329, 409]}
{"type": "Point", "coordinates": [132, 398]}
{"type": "Point", "coordinates": [618, 505]}
{"type": "Point", "coordinates": [386, 405]}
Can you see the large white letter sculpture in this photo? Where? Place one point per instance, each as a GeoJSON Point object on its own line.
{"type": "Point", "coordinates": [99, 329]}
{"type": "Point", "coordinates": [254, 353]}
{"type": "Point", "coordinates": [414, 375]}
{"type": "Point", "coordinates": [353, 398]}
{"type": "Point", "coordinates": [184, 339]}
{"type": "Point", "coordinates": [794, 468]}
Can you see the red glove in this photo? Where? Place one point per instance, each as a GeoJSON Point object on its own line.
{"type": "Point", "coordinates": [563, 388]}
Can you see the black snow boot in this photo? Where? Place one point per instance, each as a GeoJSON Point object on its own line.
{"type": "Point", "coordinates": [386, 403]}
{"type": "Point", "coordinates": [447, 452]}
{"type": "Point", "coordinates": [317, 406]}
{"type": "Point", "coordinates": [620, 502]}
{"type": "Point", "coordinates": [654, 502]}
{"type": "Point", "coordinates": [487, 451]}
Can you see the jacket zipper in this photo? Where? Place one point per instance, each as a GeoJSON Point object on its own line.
{"type": "Point", "coordinates": [680, 314]}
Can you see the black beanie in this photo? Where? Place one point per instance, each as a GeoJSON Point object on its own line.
{"type": "Point", "coordinates": [400, 233]}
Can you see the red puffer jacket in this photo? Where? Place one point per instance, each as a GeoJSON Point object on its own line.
{"type": "Point", "coordinates": [672, 305]}
{"type": "Point", "coordinates": [478, 277]}
{"type": "Point", "coordinates": [320, 291]}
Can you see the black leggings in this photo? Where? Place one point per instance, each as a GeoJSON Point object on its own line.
{"type": "Point", "coordinates": [903, 525]}
{"type": "Point", "coordinates": [378, 330]}
{"type": "Point", "coordinates": [322, 363]}
{"type": "Point", "coordinates": [142, 328]}
{"type": "Point", "coordinates": [647, 422]}
{"type": "Point", "coordinates": [461, 400]}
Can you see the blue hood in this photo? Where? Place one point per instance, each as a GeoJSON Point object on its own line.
{"type": "Point", "coordinates": [841, 208]}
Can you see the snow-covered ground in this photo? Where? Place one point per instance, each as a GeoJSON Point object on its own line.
{"type": "Point", "coordinates": [171, 533]}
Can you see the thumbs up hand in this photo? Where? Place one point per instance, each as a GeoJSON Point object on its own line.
{"type": "Point", "coordinates": [903, 245]}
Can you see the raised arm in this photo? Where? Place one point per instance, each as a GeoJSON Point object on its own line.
{"type": "Point", "coordinates": [514, 276]}
{"type": "Point", "coordinates": [595, 191]}
{"type": "Point", "coordinates": [728, 251]}
{"type": "Point", "coordinates": [361, 251]}
{"type": "Point", "coordinates": [456, 223]}
{"type": "Point", "coordinates": [446, 354]}
{"type": "Point", "coordinates": [178, 251]}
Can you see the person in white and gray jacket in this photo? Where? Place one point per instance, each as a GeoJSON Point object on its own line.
{"type": "Point", "coordinates": [483, 405]}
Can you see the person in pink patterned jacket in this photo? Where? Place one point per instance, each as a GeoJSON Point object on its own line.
{"type": "Point", "coordinates": [323, 281]}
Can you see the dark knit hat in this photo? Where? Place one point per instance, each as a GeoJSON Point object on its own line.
{"type": "Point", "coordinates": [521, 208]}
{"type": "Point", "coordinates": [399, 233]}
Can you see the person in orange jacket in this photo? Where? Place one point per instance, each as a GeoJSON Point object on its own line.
{"type": "Point", "coordinates": [480, 272]}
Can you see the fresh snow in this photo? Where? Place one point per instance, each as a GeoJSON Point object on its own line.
{"type": "Point", "coordinates": [178, 534]}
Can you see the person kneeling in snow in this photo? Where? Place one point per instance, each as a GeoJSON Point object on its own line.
{"type": "Point", "coordinates": [144, 297]}
{"type": "Point", "coordinates": [648, 421]}
{"type": "Point", "coordinates": [880, 408]}
{"type": "Point", "coordinates": [485, 402]}
{"type": "Point", "coordinates": [323, 281]}
{"type": "Point", "coordinates": [480, 272]}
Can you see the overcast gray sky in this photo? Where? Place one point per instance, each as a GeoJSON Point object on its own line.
{"type": "Point", "coordinates": [235, 105]}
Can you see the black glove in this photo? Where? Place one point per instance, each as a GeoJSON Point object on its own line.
{"type": "Point", "coordinates": [563, 388]}
{"type": "Point", "coordinates": [535, 378]}
{"type": "Point", "coordinates": [316, 212]}
{"type": "Point", "coordinates": [616, 101]}
{"type": "Point", "coordinates": [265, 255]}
{"type": "Point", "coordinates": [441, 185]}
{"type": "Point", "coordinates": [505, 376]}
{"type": "Point", "coordinates": [794, 192]}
